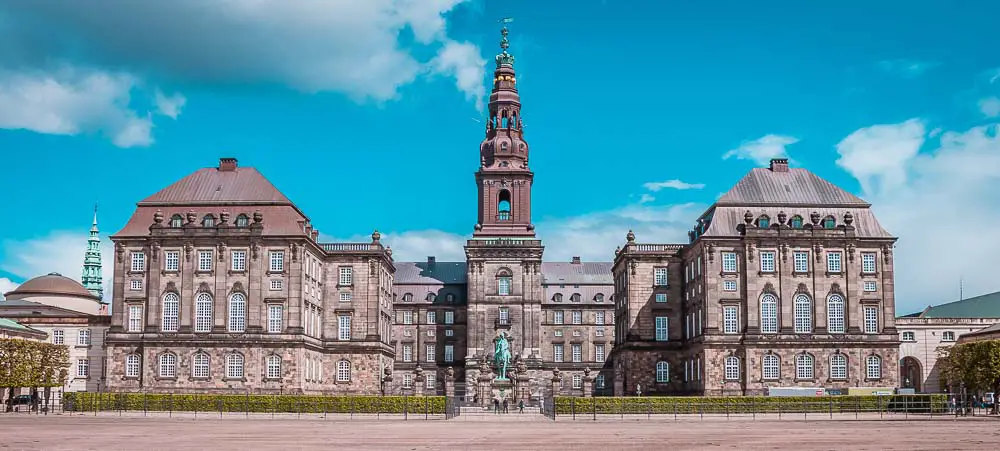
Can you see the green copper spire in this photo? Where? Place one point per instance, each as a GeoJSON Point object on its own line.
{"type": "Point", "coordinates": [92, 278]}
{"type": "Point", "coordinates": [504, 58]}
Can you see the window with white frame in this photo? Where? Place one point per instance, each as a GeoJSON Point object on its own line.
{"type": "Point", "coordinates": [203, 313]}
{"type": "Point", "coordinates": [172, 261]}
{"type": "Point", "coordinates": [345, 297]}
{"type": "Point", "coordinates": [870, 286]}
{"type": "Point", "coordinates": [868, 263]}
{"type": "Point", "coordinates": [838, 367]}
{"type": "Point", "coordinates": [503, 313]}
{"type": "Point", "coordinates": [449, 353]}
{"type": "Point", "coordinates": [407, 353]}
{"type": "Point", "coordinates": [59, 337]}
{"type": "Point", "coordinates": [730, 319]}
{"type": "Point", "coordinates": [274, 318]}
{"type": "Point", "coordinates": [430, 353]}
{"type": "Point", "coordinates": [661, 328]}
{"type": "Point", "coordinates": [503, 285]}
{"type": "Point", "coordinates": [234, 366]}
{"type": "Point", "coordinates": [276, 261]}
{"type": "Point", "coordinates": [407, 317]}
{"type": "Point", "coordinates": [660, 297]}
{"type": "Point", "coordinates": [728, 285]}
{"type": "Point", "coordinates": [835, 314]}
{"type": "Point", "coordinates": [803, 314]}
{"type": "Point", "coordinates": [344, 327]}
{"type": "Point", "coordinates": [660, 276]}
{"type": "Point", "coordinates": [199, 365]}
{"type": "Point", "coordinates": [346, 276]}
{"type": "Point", "coordinates": [449, 333]}
{"type": "Point", "coordinates": [132, 365]}
{"type": "Point", "coordinates": [576, 350]}
{"type": "Point", "coordinates": [800, 260]}
{"type": "Point", "coordinates": [239, 260]}
{"type": "Point", "coordinates": [135, 284]}
{"type": "Point", "coordinates": [204, 260]}
{"type": "Point", "coordinates": [83, 337]}
{"type": "Point", "coordinates": [237, 312]}
{"type": "Point", "coordinates": [732, 365]}
{"type": "Point", "coordinates": [431, 317]}
{"type": "Point", "coordinates": [343, 371]}
{"type": "Point", "coordinates": [599, 318]}
{"type": "Point", "coordinates": [557, 317]}
{"type": "Point", "coordinates": [171, 312]}
{"type": "Point", "coordinates": [768, 314]}
{"type": "Point", "coordinates": [599, 353]}
{"type": "Point", "coordinates": [557, 333]}
{"type": "Point", "coordinates": [770, 367]}
{"type": "Point", "coordinates": [662, 372]}
{"type": "Point", "coordinates": [135, 318]}
{"type": "Point", "coordinates": [577, 317]}
{"type": "Point", "coordinates": [274, 367]}
{"type": "Point", "coordinates": [430, 382]}
{"type": "Point", "coordinates": [766, 261]}
{"type": "Point", "coordinates": [449, 317]}
{"type": "Point", "coordinates": [948, 336]}
{"type": "Point", "coordinates": [803, 366]}
{"type": "Point", "coordinates": [82, 367]}
{"type": "Point", "coordinates": [407, 380]}
{"type": "Point", "coordinates": [909, 336]}
{"type": "Point", "coordinates": [276, 284]}
{"type": "Point", "coordinates": [168, 365]}
{"type": "Point", "coordinates": [833, 261]}
{"type": "Point", "coordinates": [138, 262]}
{"type": "Point", "coordinates": [873, 367]}
{"type": "Point", "coordinates": [599, 381]}
{"type": "Point", "coordinates": [577, 381]}
{"type": "Point", "coordinates": [557, 352]}
{"type": "Point", "coordinates": [871, 319]}
{"type": "Point", "coordinates": [729, 262]}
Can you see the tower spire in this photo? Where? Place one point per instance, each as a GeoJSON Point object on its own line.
{"type": "Point", "coordinates": [92, 278]}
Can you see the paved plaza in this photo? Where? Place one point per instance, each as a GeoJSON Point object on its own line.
{"type": "Point", "coordinates": [132, 432]}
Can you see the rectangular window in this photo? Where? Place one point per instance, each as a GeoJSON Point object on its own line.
{"type": "Point", "coordinates": [274, 318]}
{"type": "Point", "coordinates": [557, 333]}
{"type": "Point", "coordinates": [504, 315]}
{"type": "Point", "coordinates": [275, 284]}
{"type": "Point", "coordinates": [431, 317]}
{"type": "Point", "coordinates": [661, 297]}
{"type": "Point", "coordinates": [204, 260]}
{"type": "Point", "coordinates": [132, 365]}
{"type": "Point", "coordinates": [430, 354]}
{"type": "Point", "coordinates": [599, 353]}
{"type": "Point", "coordinates": [431, 382]}
{"type": "Point", "coordinates": [868, 263]}
{"type": "Point", "coordinates": [346, 276]}
{"type": "Point", "coordinates": [239, 261]}
{"type": "Point", "coordinates": [449, 353]}
{"type": "Point", "coordinates": [135, 284]}
{"type": "Point", "coordinates": [729, 285]}
{"type": "Point", "coordinates": [661, 328]}
{"type": "Point", "coordinates": [833, 261]}
{"type": "Point", "coordinates": [729, 262]}
{"type": "Point", "coordinates": [599, 318]}
{"type": "Point", "coordinates": [449, 333]}
{"type": "Point", "coordinates": [344, 327]}
{"type": "Point", "coordinates": [138, 262]}
{"type": "Point", "coordinates": [577, 350]}
{"type": "Point", "coordinates": [407, 353]}
{"type": "Point", "coordinates": [660, 276]}
{"type": "Point", "coordinates": [557, 353]}
{"type": "Point", "coordinates": [730, 319]}
{"type": "Point", "coordinates": [276, 261]}
{"type": "Point", "coordinates": [870, 286]}
{"type": "Point", "coordinates": [838, 367]}
{"type": "Point", "coordinates": [577, 317]}
{"type": "Point", "coordinates": [57, 337]}
{"type": "Point", "coordinates": [557, 317]}
{"type": "Point", "coordinates": [503, 286]}
{"type": "Point", "coordinates": [172, 261]}
{"type": "Point", "coordinates": [909, 336]}
{"type": "Point", "coordinates": [871, 319]}
{"type": "Point", "coordinates": [135, 318]}
{"type": "Point", "coordinates": [449, 317]}
{"type": "Point", "coordinates": [407, 317]}
{"type": "Point", "coordinates": [766, 261]}
{"type": "Point", "coordinates": [83, 337]}
{"type": "Point", "coordinates": [407, 381]}
{"type": "Point", "coordinates": [801, 261]}
{"type": "Point", "coordinates": [599, 332]}
{"type": "Point", "coordinates": [345, 297]}
{"type": "Point", "coordinates": [697, 268]}
{"type": "Point", "coordinates": [82, 367]}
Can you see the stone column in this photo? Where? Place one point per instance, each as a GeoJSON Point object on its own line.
{"type": "Point", "coordinates": [484, 386]}
{"type": "Point", "coordinates": [449, 382]}
{"type": "Point", "coordinates": [418, 381]}
{"type": "Point", "coordinates": [556, 382]}
{"type": "Point", "coordinates": [588, 383]}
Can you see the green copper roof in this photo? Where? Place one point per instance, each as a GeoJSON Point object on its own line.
{"type": "Point", "coordinates": [92, 278]}
{"type": "Point", "coordinates": [985, 306]}
{"type": "Point", "coordinates": [14, 325]}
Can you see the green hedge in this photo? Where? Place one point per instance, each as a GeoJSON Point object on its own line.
{"type": "Point", "coordinates": [89, 402]}
{"type": "Point", "coordinates": [566, 405]}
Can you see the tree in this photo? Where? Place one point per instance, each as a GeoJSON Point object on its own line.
{"type": "Point", "coordinates": [975, 364]}
{"type": "Point", "coordinates": [32, 364]}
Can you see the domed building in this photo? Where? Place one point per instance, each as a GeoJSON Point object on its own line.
{"type": "Point", "coordinates": [57, 290]}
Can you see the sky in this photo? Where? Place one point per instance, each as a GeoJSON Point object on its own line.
{"type": "Point", "coordinates": [639, 113]}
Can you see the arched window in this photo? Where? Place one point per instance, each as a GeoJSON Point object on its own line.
{"type": "Point", "coordinates": [407, 297]}
{"type": "Point", "coordinates": [599, 297]}
{"type": "Point", "coordinates": [203, 313]}
{"type": "Point", "coordinates": [796, 222]}
{"type": "Point", "coordinates": [504, 282]}
{"type": "Point", "coordinates": [237, 312]}
{"type": "Point", "coordinates": [838, 367]}
{"type": "Point", "coordinates": [176, 221]}
{"type": "Point", "coordinates": [803, 314]}
{"type": "Point", "coordinates": [273, 367]}
{"type": "Point", "coordinates": [503, 206]}
{"type": "Point", "coordinates": [835, 314]}
{"type": "Point", "coordinates": [829, 222]}
{"type": "Point", "coordinates": [199, 365]}
{"type": "Point", "coordinates": [234, 366]}
{"type": "Point", "coordinates": [770, 367]}
{"type": "Point", "coordinates": [168, 365]}
{"type": "Point", "coordinates": [732, 368]}
{"type": "Point", "coordinates": [343, 371]}
{"type": "Point", "coordinates": [557, 297]}
{"type": "Point", "coordinates": [803, 366]}
{"type": "Point", "coordinates": [171, 310]}
{"type": "Point", "coordinates": [132, 365]}
{"type": "Point", "coordinates": [768, 314]}
{"type": "Point", "coordinates": [208, 221]}
{"type": "Point", "coordinates": [763, 221]}
{"type": "Point", "coordinates": [575, 297]}
{"type": "Point", "coordinates": [242, 220]}
{"type": "Point", "coordinates": [662, 372]}
{"type": "Point", "coordinates": [431, 297]}
{"type": "Point", "coordinates": [873, 367]}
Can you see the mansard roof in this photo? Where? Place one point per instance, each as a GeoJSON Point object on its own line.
{"type": "Point", "coordinates": [425, 273]}
{"type": "Point", "coordinates": [221, 185]}
{"type": "Point", "coordinates": [583, 273]}
{"type": "Point", "coordinates": [788, 187]}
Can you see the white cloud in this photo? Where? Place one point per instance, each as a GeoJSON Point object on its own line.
{"type": "Point", "coordinates": [939, 203]}
{"type": "Point", "coordinates": [762, 150]}
{"type": "Point", "coordinates": [347, 46]}
{"type": "Point", "coordinates": [69, 101]}
{"type": "Point", "coordinates": [6, 285]}
{"type": "Point", "coordinates": [169, 106]}
{"type": "Point", "coordinates": [880, 152]}
{"type": "Point", "coordinates": [462, 61]}
{"type": "Point", "coordinates": [646, 198]}
{"type": "Point", "coordinates": [990, 106]}
{"type": "Point", "coordinates": [906, 68]}
{"type": "Point", "coordinates": [673, 184]}
{"type": "Point", "coordinates": [61, 252]}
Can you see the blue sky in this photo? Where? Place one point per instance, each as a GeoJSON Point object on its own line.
{"type": "Point", "coordinates": [365, 114]}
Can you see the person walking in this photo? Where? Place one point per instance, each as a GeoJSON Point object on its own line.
{"type": "Point", "coordinates": [505, 406]}
{"type": "Point", "coordinates": [496, 406]}
{"type": "Point", "coordinates": [520, 406]}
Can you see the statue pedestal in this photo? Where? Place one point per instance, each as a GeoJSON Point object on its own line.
{"type": "Point", "coordinates": [502, 389]}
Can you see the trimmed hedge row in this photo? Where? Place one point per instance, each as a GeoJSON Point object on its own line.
{"type": "Point", "coordinates": [89, 402]}
{"type": "Point", "coordinates": [566, 405]}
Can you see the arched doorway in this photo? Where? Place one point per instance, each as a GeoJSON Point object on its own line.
{"type": "Point", "coordinates": [910, 374]}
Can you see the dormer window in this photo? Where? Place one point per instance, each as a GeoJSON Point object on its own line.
{"type": "Point", "coordinates": [176, 221]}
{"type": "Point", "coordinates": [242, 221]}
{"type": "Point", "coordinates": [407, 297]}
{"type": "Point", "coordinates": [763, 222]}
{"type": "Point", "coordinates": [208, 221]}
{"type": "Point", "coordinates": [796, 222]}
{"type": "Point", "coordinates": [431, 297]}
{"type": "Point", "coordinates": [575, 297]}
{"type": "Point", "coordinates": [829, 222]}
{"type": "Point", "coordinates": [599, 298]}
{"type": "Point", "coordinates": [557, 297]}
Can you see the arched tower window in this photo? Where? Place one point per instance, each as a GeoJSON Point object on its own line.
{"type": "Point", "coordinates": [504, 282]}
{"type": "Point", "coordinates": [503, 206]}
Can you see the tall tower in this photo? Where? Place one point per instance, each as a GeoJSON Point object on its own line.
{"type": "Point", "coordinates": [92, 278]}
{"type": "Point", "coordinates": [504, 257]}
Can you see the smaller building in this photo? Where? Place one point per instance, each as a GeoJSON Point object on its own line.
{"type": "Point", "coordinates": [10, 329]}
{"type": "Point", "coordinates": [926, 334]}
{"type": "Point", "coordinates": [984, 334]}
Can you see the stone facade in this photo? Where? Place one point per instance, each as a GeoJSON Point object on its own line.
{"type": "Point", "coordinates": [923, 340]}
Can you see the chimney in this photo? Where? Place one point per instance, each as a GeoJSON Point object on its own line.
{"type": "Point", "coordinates": [779, 165]}
{"type": "Point", "coordinates": [227, 164]}
{"type": "Point", "coordinates": [576, 260]}
{"type": "Point", "coordinates": [431, 260]}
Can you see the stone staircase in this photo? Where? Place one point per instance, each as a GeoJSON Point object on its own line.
{"type": "Point", "coordinates": [473, 413]}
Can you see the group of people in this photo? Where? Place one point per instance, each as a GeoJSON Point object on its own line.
{"type": "Point", "coordinates": [497, 405]}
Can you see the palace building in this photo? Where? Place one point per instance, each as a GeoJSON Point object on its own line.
{"type": "Point", "coordinates": [221, 285]}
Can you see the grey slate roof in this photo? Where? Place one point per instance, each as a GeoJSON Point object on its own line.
{"type": "Point", "coordinates": [422, 273]}
{"type": "Point", "coordinates": [726, 219]}
{"type": "Point", "coordinates": [984, 306]}
{"type": "Point", "coordinates": [762, 186]}
{"type": "Point", "coordinates": [585, 273]}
